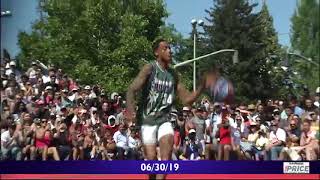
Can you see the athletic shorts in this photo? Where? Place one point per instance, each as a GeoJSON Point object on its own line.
{"type": "Point", "coordinates": [152, 134]}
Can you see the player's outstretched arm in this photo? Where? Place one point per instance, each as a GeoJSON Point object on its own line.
{"type": "Point", "coordinates": [186, 97]}
{"type": "Point", "coordinates": [136, 85]}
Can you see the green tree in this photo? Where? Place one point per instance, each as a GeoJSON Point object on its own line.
{"type": "Point", "coordinates": [97, 41]}
{"type": "Point", "coordinates": [305, 40]}
{"type": "Point", "coordinates": [233, 25]}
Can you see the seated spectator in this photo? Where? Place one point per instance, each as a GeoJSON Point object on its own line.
{"type": "Point", "coordinates": [277, 140]}
{"type": "Point", "coordinates": [224, 135]}
{"type": "Point", "coordinates": [247, 144]}
{"type": "Point", "coordinates": [241, 131]}
{"type": "Point", "coordinates": [192, 150]}
{"type": "Point", "coordinates": [76, 131]}
{"type": "Point", "coordinates": [121, 139]}
{"type": "Point", "coordinates": [108, 146]}
{"type": "Point", "coordinates": [308, 142]}
{"type": "Point", "coordinates": [134, 145]}
{"type": "Point", "coordinates": [11, 142]}
{"type": "Point", "coordinates": [43, 140]}
{"type": "Point", "coordinates": [259, 147]}
{"type": "Point", "coordinates": [200, 115]}
{"type": "Point", "coordinates": [28, 134]}
{"type": "Point", "coordinates": [89, 144]}
{"type": "Point", "coordinates": [61, 141]}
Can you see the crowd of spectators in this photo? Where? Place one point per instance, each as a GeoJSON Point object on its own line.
{"type": "Point", "coordinates": [46, 115]}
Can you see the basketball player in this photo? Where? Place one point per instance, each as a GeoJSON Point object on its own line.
{"type": "Point", "coordinates": [160, 85]}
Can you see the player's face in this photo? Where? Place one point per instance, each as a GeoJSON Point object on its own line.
{"type": "Point", "coordinates": [164, 52]}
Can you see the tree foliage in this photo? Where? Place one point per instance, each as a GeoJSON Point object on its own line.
{"type": "Point", "coordinates": [305, 40]}
{"type": "Point", "coordinates": [97, 41]}
{"type": "Point", "coordinates": [233, 25]}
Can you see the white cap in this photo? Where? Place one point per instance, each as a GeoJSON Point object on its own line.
{"type": "Point", "coordinates": [192, 131]}
{"type": "Point", "coordinates": [12, 63]}
{"type": "Point", "coordinates": [87, 87]}
{"type": "Point", "coordinates": [111, 117]}
{"type": "Point", "coordinates": [48, 87]}
{"type": "Point", "coordinates": [185, 108]}
{"type": "Point", "coordinates": [92, 96]}
{"type": "Point", "coordinates": [280, 103]}
{"type": "Point", "coordinates": [114, 94]}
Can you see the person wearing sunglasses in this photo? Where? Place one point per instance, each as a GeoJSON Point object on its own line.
{"type": "Point", "coordinates": [277, 140]}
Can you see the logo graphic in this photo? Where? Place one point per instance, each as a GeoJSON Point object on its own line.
{"type": "Point", "coordinates": [296, 167]}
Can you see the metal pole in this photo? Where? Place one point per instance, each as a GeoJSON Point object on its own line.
{"type": "Point", "coordinates": [194, 56]}
{"type": "Point", "coordinates": [204, 56]}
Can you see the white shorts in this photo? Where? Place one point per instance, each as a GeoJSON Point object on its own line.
{"type": "Point", "coordinates": [150, 134]}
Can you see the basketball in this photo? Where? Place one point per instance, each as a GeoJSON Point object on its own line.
{"type": "Point", "coordinates": [222, 91]}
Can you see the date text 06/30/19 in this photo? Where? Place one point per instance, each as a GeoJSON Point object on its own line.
{"type": "Point", "coordinates": [159, 167]}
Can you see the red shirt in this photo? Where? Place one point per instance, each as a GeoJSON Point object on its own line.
{"type": "Point", "coordinates": [225, 135]}
{"type": "Point", "coordinates": [177, 138]}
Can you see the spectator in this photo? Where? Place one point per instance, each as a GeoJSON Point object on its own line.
{"type": "Point", "coordinates": [43, 140]}
{"type": "Point", "coordinates": [11, 141]}
{"type": "Point", "coordinates": [277, 140]}
{"type": "Point", "coordinates": [108, 146]}
{"type": "Point", "coordinates": [247, 144]}
{"type": "Point", "coordinates": [238, 133]}
{"type": "Point", "coordinates": [61, 141]}
{"type": "Point", "coordinates": [295, 108]}
{"type": "Point", "coordinates": [198, 120]}
{"type": "Point", "coordinates": [121, 139]}
{"type": "Point", "coordinates": [224, 135]}
{"type": "Point", "coordinates": [192, 149]}
{"type": "Point", "coordinates": [309, 142]}
{"type": "Point", "coordinates": [89, 144]}
{"type": "Point", "coordinates": [259, 147]}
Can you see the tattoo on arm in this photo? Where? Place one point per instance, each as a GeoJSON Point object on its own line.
{"type": "Point", "coordinates": [136, 85]}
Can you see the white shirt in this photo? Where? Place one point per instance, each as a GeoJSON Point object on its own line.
{"type": "Point", "coordinates": [133, 143]}
{"type": "Point", "coordinates": [5, 137]}
{"type": "Point", "coordinates": [121, 140]}
{"type": "Point", "coordinates": [215, 120]}
{"type": "Point", "coordinates": [279, 136]}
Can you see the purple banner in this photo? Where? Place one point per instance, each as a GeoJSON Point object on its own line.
{"type": "Point", "coordinates": [167, 167]}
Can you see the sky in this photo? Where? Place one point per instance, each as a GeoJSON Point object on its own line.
{"type": "Point", "coordinates": [24, 13]}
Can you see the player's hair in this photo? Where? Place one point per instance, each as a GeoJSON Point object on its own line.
{"type": "Point", "coordinates": [156, 44]}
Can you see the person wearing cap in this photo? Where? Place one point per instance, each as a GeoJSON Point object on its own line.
{"type": "Point", "coordinates": [277, 138]}
{"type": "Point", "coordinates": [112, 124]}
{"type": "Point", "coordinates": [198, 120]}
{"type": "Point", "coordinates": [31, 72]}
{"type": "Point", "coordinates": [192, 149]}
{"type": "Point", "coordinates": [248, 142]}
{"type": "Point", "coordinates": [52, 81]}
{"type": "Point", "coordinates": [11, 68]}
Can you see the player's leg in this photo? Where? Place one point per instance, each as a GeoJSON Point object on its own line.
{"type": "Point", "coordinates": [149, 140]}
{"type": "Point", "coordinates": [165, 137]}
